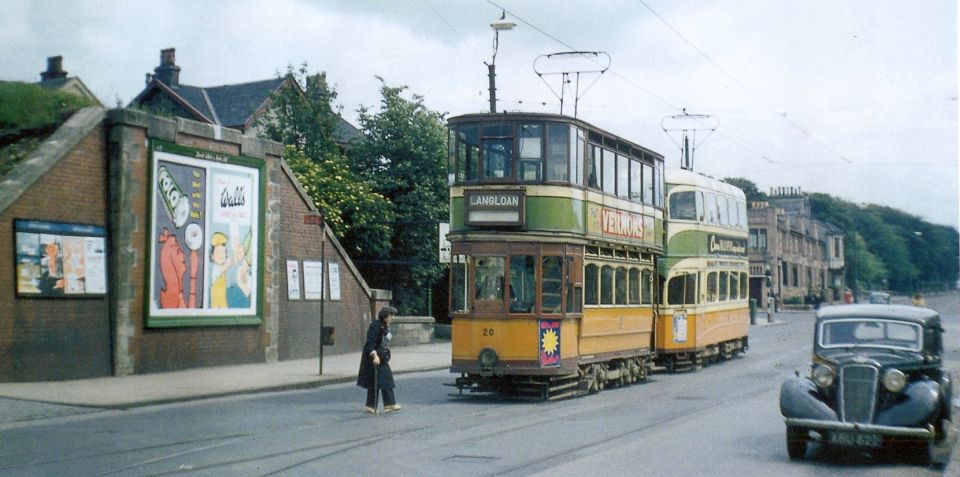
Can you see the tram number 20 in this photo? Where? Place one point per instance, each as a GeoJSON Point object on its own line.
{"type": "Point", "coordinates": [488, 332]}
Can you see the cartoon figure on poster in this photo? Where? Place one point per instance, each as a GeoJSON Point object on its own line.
{"type": "Point", "coordinates": [180, 188]}
{"type": "Point", "coordinates": [231, 250]}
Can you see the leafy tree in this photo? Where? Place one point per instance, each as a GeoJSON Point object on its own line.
{"type": "Point", "coordinates": [748, 187]}
{"type": "Point", "coordinates": [889, 246]}
{"type": "Point", "coordinates": [302, 114]}
{"type": "Point", "coordinates": [358, 216]}
{"type": "Point", "coordinates": [302, 117]}
{"type": "Point", "coordinates": [403, 154]}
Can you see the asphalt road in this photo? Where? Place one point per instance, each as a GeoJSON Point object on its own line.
{"type": "Point", "coordinates": [723, 420]}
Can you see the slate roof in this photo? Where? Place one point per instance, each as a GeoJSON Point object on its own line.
{"type": "Point", "coordinates": [234, 106]}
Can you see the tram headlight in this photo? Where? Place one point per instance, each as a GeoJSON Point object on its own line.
{"type": "Point", "coordinates": [822, 376]}
{"type": "Point", "coordinates": [894, 380]}
{"type": "Point", "coordinates": [488, 358]}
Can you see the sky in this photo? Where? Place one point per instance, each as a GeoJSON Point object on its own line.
{"type": "Point", "coordinates": [854, 98]}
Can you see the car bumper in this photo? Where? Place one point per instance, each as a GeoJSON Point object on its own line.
{"type": "Point", "coordinates": [886, 431]}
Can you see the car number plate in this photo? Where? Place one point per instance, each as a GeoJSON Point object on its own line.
{"type": "Point", "coordinates": [853, 438]}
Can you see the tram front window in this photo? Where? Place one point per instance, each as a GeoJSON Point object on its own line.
{"type": "Point", "coordinates": [552, 284]}
{"type": "Point", "coordinates": [488, 278]}
{"type": "Point", "coordinates": [522, 283]}
{"type": "Point", "coordinates": [458, 283]}
{"type": "Point", "coordinates": [682, 290]}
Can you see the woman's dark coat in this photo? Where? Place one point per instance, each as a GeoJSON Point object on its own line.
{"type": "Point", "coordinates": [377, 339]}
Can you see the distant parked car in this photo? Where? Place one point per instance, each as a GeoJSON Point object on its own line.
{"type": "Point", "coordinates": [879, 298]}
{"type": "Point", "coordinates": [877, 378]}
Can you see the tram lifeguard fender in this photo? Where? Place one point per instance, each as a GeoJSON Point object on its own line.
{"type": "Point", "coordinates": [799, 398]}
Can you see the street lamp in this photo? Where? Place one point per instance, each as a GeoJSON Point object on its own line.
{"type": "Point", "coordinates": [500, 25]}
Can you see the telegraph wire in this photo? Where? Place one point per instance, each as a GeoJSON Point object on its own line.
{"type": "Point", "coordinates": [454, 30]}
{"type": "Point", "coordinates": [742, 85]}
{"type": "Point", "coordinates": [571, 48]}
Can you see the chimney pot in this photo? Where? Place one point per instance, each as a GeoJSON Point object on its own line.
{"type": "Point", "coordinates": [54, 69]}
{"type": "Point", "coordinates": [168, 72]}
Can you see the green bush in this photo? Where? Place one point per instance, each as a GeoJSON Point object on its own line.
{"type": "Point", "coordinates": [27, 106]}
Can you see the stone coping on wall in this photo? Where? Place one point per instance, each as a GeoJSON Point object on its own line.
{"type": "Point", "coordinates": [168, 129]}
{"type": "Point", "coordinates": [48, 153]}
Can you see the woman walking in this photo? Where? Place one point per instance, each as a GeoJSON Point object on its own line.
{"type": "Point", "coordinates": [375, 373]}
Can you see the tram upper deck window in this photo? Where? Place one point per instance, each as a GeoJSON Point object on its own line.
{"type": "Point", "coordinates": [609, 178]}
{"type": "Point", "coordinates": [723, 210]}
{"type": "Point", "coordinates": [531, 152]}
{"type": "Point", "coordinates": [623, 176]}
{"type": "Point", "coordinates": [647, 184]}
{"type": "Point", "coordinates": [710, 208]}
{"type": "Point", "coordinates": [558, 152]}
{"type": "Point", "coordinates": [593, 174]}
{"type": "Point", "coordinates": [636, 181]}
{"type": "Point", "coordinates": [577, 145]}
{"type": "Point", "coordinates": [683, 205]}
{"type": "Point", "coordinates": [467, 153]}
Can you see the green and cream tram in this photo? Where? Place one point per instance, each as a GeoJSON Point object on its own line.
{"type": "Point", "coordinates": [704, 313]}
{"type": "Point", "coordinates": [556, 227]}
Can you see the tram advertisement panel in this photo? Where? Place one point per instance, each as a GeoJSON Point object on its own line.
{"type": "Point", "coordinates": [205, 237]}
{"type": "Point", "coordinates": [549, 343]}
{"type": "Point", "coordinates": [610, 222]}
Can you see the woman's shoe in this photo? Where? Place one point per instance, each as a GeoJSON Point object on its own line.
{"type": "Point", "coordinates": [395, 407]}
{"type": "Point", "coordinates": [369, 410]}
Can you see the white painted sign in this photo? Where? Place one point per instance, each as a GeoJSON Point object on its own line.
{"type": "Point", "coordinates": [444, 229]}
{"type": "Point", "coordinates": [312, 280]}
{"type": "Point", "coordinates": [334, 281]}
{"type": "Point", "coordinates": [293, 280]}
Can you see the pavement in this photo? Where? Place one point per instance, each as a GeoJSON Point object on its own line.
{"type": "Point", "coordinates": [119, 392]}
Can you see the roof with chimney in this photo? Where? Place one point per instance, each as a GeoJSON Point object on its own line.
{"type": "Point", "coordinates": [235, 106]}
{"type": "Point", "coordinates": [56, 79]}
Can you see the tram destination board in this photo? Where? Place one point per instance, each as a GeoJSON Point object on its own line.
{"type": "Point", "coordinates": [501, 207]}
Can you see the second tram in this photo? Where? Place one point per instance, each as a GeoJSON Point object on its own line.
{"type": "Point", "coordinates": [704, 314]}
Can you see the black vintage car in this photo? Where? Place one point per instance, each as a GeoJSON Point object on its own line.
{"type": "Point", "coordinates": [877, 378]}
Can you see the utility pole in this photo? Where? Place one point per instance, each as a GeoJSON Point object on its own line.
{"type": "Point", "coordinates": [500, 25]}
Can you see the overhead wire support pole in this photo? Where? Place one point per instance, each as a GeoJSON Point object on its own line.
{"type": "Point", "coordinates": [500, 25]}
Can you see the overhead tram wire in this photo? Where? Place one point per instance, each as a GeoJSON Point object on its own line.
{"type": "Point", "coordinates": [571, 48]}
{"type": "Point", "coordinates": [624, 78]}
{"type": "Point", "coordinates": [742, 85]}
{"type": "Point", "coordinates": [454, 30]}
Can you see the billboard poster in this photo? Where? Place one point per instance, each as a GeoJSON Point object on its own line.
{"type": "Point", "coordinates": [204, 265]}
{"type": "Point", "coordinates": [56, 259]}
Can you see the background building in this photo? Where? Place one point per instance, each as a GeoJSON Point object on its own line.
{"type": "Point", "coordinates": [792, 255]}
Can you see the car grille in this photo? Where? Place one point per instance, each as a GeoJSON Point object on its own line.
{"type": "Point", "coordinates": [858, 391]}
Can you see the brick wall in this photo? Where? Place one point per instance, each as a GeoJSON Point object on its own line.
{"type": "Point", "coordinates": [101, 177]}
{"type": "Point", "coordinates": [56, 338]}
{"type": "Point", "coordinates": [300, 319]}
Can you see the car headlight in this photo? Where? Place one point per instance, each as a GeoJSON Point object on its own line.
{"type": "Point", "coordinates": [894, 380]}
{"type": "Point", "coordinates": [823, 376]}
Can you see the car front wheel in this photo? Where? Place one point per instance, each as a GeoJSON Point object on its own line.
{"type": "Point", "coordinates": [796, 443]}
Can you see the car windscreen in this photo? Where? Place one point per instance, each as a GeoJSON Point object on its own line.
{"type": "Point", "coordinates": [850, 332]}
